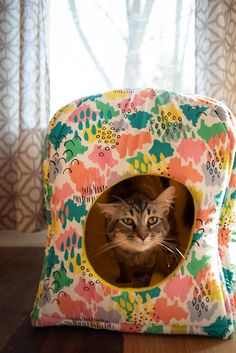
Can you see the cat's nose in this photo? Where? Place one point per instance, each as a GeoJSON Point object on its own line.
{"type": "Point", "coordinates": [142, 236]}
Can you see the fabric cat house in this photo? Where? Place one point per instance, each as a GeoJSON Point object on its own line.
{"type": "Point", "coordinates": [99, 140]}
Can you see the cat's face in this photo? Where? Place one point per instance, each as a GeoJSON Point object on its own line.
{"type": "Point", "coordinates": [138, 225]}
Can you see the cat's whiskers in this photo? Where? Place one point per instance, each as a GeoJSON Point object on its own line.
{"type": "Point", "coordinates": [180, 253]}
{"type": "Point", "coordinates": [108, 246]}
{"type": "Point", "coordinates": [172, 247]}
{"type": "Point", "coordinates": [170, 250]}
{"type": "Point", "coordinates": [160, 249]}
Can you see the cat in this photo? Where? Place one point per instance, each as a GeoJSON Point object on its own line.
{"type": "Point", "coordinates": [138, 227]}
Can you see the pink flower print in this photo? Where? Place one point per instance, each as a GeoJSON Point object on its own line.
{"type": "Point", "coordinates": [224, 237]}
{"type": "Point", "coordinates": [130, 105]}
{"type": "Point", "coordinates": [129, 143]}
{"type": "Point", "coordinates": [216, 140]}
{"type": "Point", "coordinates": [164, 312]}
{"type": "Point", "coordinates": [138, 101]}
{"type": "Point", "coordinates": [232, 182]}
{"type": "Point", "coordinates": [74, 309]}
{"type": "Point", "coordinates": [88, 291]}
{"type": "Point", "coordinates": [204, 217]}
{"type": "Point", "coordinates": [184, 172]}
{"type": "Point", "coordinates": [86, 178]}
{"type": "Point", "coordinates": [71, 234]}
{"type": "Point", "coordinates": [102, 157]}
{"type": "Point", "coordinates": [191, 149]}
{"type": "Point", "coordinates": [178, 287]}
{"type": "Point", "coordinates": [202, 275]}
{"type": "Point", "coordinates": [126, 106]}
{"type": "Point", "coordinates": [61, 194]}
{"type": "Point", "coordinates": [126, 327]}
{"type": "Point", "coordinates": [151, 94]}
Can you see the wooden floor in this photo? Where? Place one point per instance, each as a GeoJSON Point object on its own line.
{"type": "Point", "coordinates": [20, 270]}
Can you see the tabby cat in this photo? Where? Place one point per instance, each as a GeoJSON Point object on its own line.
{"type": "Point", "coordinates": [139, 226]}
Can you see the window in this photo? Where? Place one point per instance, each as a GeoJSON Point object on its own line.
{"type": "Point", "coordinates": [99, 45]}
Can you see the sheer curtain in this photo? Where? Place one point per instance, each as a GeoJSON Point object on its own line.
{"type": "Point", "coordinates": [24, 112]}
{"type": "Point", "coordinates": [216, 50]}
{"type": "Point", "coordinates": [187, 46]}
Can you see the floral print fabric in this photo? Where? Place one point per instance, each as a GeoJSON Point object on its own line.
{"type": "Point", "coordinates": [99, 140]}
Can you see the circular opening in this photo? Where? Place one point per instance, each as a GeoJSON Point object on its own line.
{"type": "Point", "coordinates": [138, 231]}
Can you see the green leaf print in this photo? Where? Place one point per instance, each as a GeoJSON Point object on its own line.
{"type": "Point", "coordinates": [139, 163]}
{"type": "Point", "coordinates": [139, 120]}
{"type": "Point", "coordinates": [61, 280]}
{"type": "Point", "coordinates": [72, 211]}
{"type": "Point", "coordinates": [193, 113]}
{"type": "Point", "coordinates": [90, 98]}
{"type": "Point", "coordinates": [52, 260]}
{"type": "Point", "coordinates": [162, 99]}
{"type": "Point", "coordinates": [196, 265]}
{"type": "Point", "coordinates": [127, 302]}
{"type": "Point", "coordinates": [58, 133]}
{"type": "Point", "coordinates": [219, 198]}
{"type": "Point", "coordinates": [152, 293]}
{"type": "Point", "coordinates": [219, 328]}
{"type": "Point", "coordinates": [197, 236]}
{"type": "Point", "coordinates": [107, 111]}
{"type": "Point", "coordinates": [207, 132]}
{"type": "Point", "coordinates": [74, 147]}
{"type": "Point", "coordinates": [155, 329]}
{"type": "Point", "coordinates": [161, 147]}
{"type": "Point", "coordinates": [228, 275]}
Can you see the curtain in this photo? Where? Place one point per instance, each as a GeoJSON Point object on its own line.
{"type": "Point", "coordinates": [24, 79]}
{"type": "Point", "coordinates": [24, 112]}
{"type": "Point", "coordinates": [215, 29]}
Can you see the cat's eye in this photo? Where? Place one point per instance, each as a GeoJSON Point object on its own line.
{"type": "Point", "coordinates": [127, 221]}
{"type": "Point", "coordinates": [152, 220]}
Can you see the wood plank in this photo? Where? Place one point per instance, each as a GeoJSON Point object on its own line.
{"type": "Point", "coordinates": [26, 339]}
{"type": "Point", "coordinates": [134, 343]}
{"type": "Point", "coordinates": [63, 339]}
{"type": "Point", "coordinates": [19, 273]}
{"type": "Point", "coordinates": [83, 340]}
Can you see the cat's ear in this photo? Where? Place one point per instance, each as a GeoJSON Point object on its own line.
{"type": "Point", "coordinates": [165, 200]}
{"type": "Point", "coordinates": [108, 209]}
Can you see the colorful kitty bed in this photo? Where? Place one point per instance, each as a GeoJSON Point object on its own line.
{"type": "Point", "coordinates": [100, 140]}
